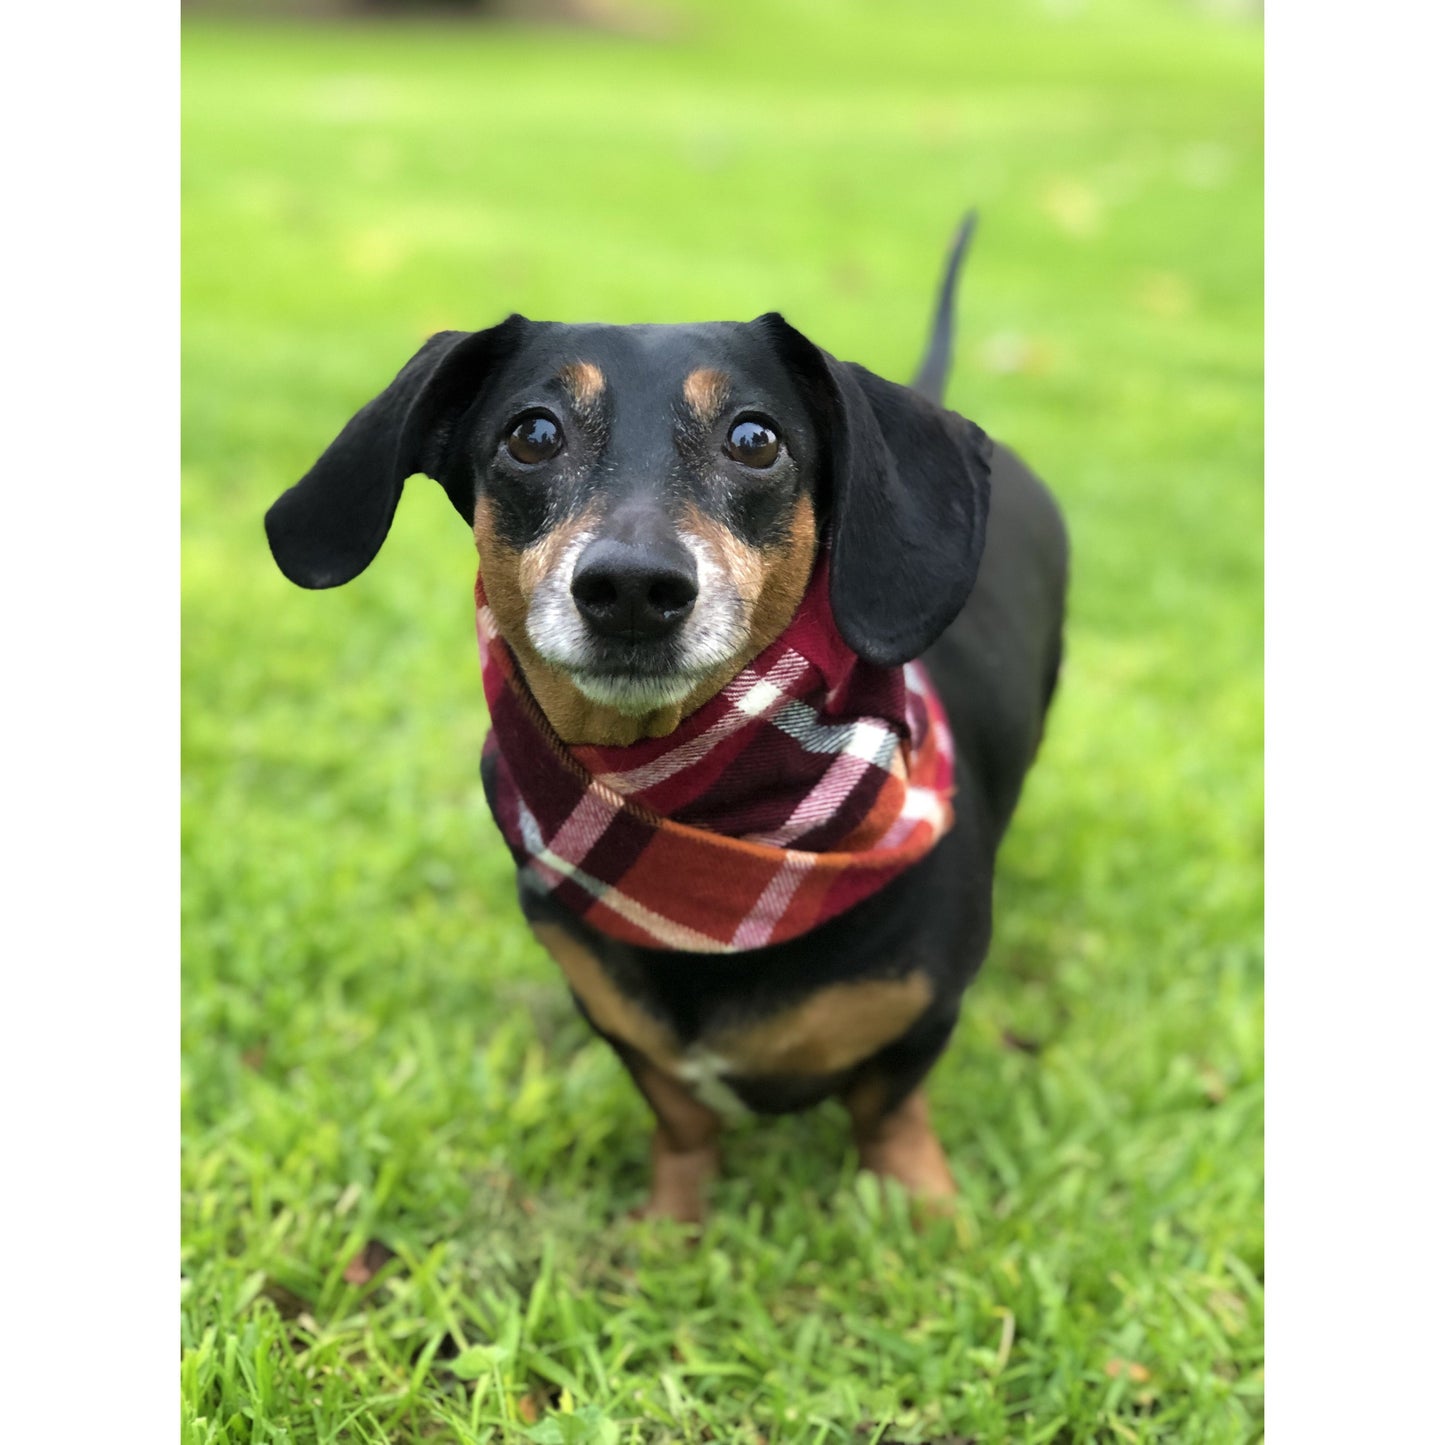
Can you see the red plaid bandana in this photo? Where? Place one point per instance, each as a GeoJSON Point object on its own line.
{"type": "Point", "coordinates": [805, 785]}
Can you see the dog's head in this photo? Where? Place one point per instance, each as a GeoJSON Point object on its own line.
{"type": "Point", "coordinates": [648, 502]}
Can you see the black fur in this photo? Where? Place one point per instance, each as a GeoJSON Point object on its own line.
{"type": "Point", "coordinates": [328, 527]}
{"type": "Point", "coordinates": [932, 374]}
{"type": "Point", "coordinates": [922, 515]}
{"type": "Point", "coordinates": [908, 499]}
{"type": "Point", "coordinates": [995, 668]}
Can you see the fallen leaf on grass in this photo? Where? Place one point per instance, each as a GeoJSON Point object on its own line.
{"type": "Point", "coordinates": [1132, 1368]}
{"type": "Point", "coordinates": [368, 1262]}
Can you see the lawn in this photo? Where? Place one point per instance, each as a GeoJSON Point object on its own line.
{"type": "Point", "coordinates": [376, 1054]}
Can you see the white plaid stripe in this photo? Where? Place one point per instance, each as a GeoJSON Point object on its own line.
{"type": "Point", "coordinates": [757, 928]}
{"type": "Point", "coordinates": [749, 697]}
{"type": "Point", "coordinates": [553, 869]}
{"type": "Point", "coordinates": [588, 821]}
{"type": "Point", "coordinates": [822, 803]}
{"type": "Point", "coordinates": [920, 805]}
{"type": "Point", "coordinates": [864, 738]}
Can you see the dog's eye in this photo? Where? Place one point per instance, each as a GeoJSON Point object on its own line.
{"type": "Point", "coordinates": [753, 443]}
{"type": "Point", "coordinates": [535, 438]}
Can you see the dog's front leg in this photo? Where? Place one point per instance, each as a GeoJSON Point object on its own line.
{"type": "Point", "coordinates": [684, 1147]}
{"type": "Point", "coordinates": [897, 1141]}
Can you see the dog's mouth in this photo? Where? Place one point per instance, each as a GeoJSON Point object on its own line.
{"type": "Point", "coordinates": [632, 676]}
{"type": "Point", "coordinates": [640, 676]}
{"type": "Point", "coordinates": [635, 686]}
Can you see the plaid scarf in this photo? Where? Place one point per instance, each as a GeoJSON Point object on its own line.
{"type": "Point", "coordinates": [799, 790]}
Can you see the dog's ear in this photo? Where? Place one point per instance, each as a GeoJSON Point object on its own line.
{"type": "Point", "coordinates": [328, 527]}
{"type": "Point", "coordinates": [907, 502]}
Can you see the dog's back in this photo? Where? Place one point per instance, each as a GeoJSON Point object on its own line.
{"type": "Point", "coordinates": [996, 665]}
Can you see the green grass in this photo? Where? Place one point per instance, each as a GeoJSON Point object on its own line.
{"type": "Point", "coordinates": [374, 1049]}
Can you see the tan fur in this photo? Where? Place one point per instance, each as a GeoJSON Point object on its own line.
{"type": "Point", "coordinates": [829, 1031]}
{"type": "Point", "coordinates": [705, 391]}
{"type": "Point", "coordinates": [770, 580]}
{"type": "Point", "coordinates": [503, 570]}
{"type": "Point", "coordinates": [901, 1145]}
{"type": "Point", "coordinates": [866, 1101]}
{"type": "Point", "coordinates": [744, 566]}
{"type": "Point", "coordinates": [541, 558]}
{"type": "Point", "coordinates": [584, 382]}
{"type": "Point", "coordinates": [607, 1006]}
{"type": "Point", "coordinates": [684, 1150]}
{"type": "Point", "coordinates": [789, 568]}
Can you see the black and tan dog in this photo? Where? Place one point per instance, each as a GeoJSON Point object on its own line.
{"type": "Point", "coordinates": [649, 503]}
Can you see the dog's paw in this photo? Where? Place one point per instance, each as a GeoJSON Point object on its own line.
{"type": "Point", "coordinates": [680, 1178]}
{"type": "Point", "coordinates": [688, 1214]}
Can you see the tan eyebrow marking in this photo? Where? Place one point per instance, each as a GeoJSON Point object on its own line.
{"type": "Point", "coordinates": [584, 381]}
{"type": "Point", "coordinates": [705, 391]}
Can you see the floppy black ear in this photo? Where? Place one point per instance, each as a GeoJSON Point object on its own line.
{"type": "Point", "coordinates": [329, 526]}
{"type": "Point", "coordinates": [908, 503]}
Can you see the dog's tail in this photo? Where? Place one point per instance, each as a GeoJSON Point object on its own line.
{"type": "Point", "coordinates": [933, 373]}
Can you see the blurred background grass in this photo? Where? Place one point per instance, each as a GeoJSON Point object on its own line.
{"type": "Point", "coordinates": [372, 1046]}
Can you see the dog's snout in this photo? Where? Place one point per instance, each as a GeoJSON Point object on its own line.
{"type": "Point", "coordinates": [634, 591]}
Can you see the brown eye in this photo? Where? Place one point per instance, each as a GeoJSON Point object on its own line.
{"type": "Point", "coordinates": [753, 443]}
{"type": "Point", "coordinates": [535, 439]}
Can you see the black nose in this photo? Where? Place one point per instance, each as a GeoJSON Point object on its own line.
{"type": "Point", "coordinates": [634, 591]}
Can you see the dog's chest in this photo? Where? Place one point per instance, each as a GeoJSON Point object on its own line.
{"type": "Point", "coordinates": [789, 1041]}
